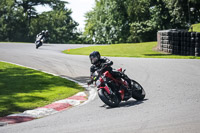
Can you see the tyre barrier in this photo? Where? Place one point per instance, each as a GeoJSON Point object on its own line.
{"type": "Point", "coordinates": [179, 42]}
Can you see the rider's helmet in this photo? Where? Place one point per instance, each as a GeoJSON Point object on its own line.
{"type": "Point", "coordinates": [46, 32]}
{"type": "Point", "coordinates": [95, 57]}
{"type": "Point", "coordinates": [43, 32]}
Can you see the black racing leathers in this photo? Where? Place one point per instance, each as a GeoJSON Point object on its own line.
{"type": "Point", "coordinates": [101, 63]}
{"type": "Point", "coordinates": [108, 63]}
{"type": "Point", "coordinates": [44, 36]}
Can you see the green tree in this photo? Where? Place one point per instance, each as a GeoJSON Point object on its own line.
{"type": "Point", "coordinates": [156, 17]}
{"type": "Point", "coordinates": [29, 10]}
{"type": "Point", "coordinates": [19, 21]}
{"type": "Point", "coordinates": [61, 26]}
{"type": "Point", "coordinates": [107, 23]}
{"type": "Point", "coordinates": [11, 21]}
{"type": "Point", "coordinates": [181, 12]}
{"type": "Point", "coordinates": [115, 21]}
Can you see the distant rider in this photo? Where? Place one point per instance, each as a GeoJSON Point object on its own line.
{"type": "Point", "coordinates": [99, 63]}
{"type": "Point", "coordinates": [45, 35]}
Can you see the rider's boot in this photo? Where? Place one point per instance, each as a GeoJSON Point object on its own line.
{"type": "Point", "coordinates": [125, 77]}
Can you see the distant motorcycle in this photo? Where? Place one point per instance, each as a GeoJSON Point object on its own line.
{"type": "Point", "coordinates": [112, 91]}
{"type": "Point", "coordinates": [39, 41]}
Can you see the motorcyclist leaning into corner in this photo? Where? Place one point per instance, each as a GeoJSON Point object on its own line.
{"type": "Point", "coordinates": [45, 35]}
{"type": "Point", "coordinates": [99, 63]}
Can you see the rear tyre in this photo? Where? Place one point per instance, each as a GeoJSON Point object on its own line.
{"type": "Point", "coordinates": [138, 92]}
{"type": "Point", "coordinates": [40, 44]}
{"type": "Point", "coordinates": [110, 100]}
{"type": "Point", "coordinates": [37, 45]}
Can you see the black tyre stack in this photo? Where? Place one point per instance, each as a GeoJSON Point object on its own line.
{"type": "Point", "coordinates": [175, 42]}
{"type": "Point", "coordinates": [192, 44]}
{"type": "Point", "coordinates": [197, 44]}
{"type": "Point", "coordinates": [179, 42]}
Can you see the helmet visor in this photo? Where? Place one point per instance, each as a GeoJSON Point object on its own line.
{"type": "Point", "coordinates": [94, 60]}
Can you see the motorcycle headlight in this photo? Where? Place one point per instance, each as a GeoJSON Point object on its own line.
{"type": "Point", "coordinates": [104, 78]}
{"type": "Point", "coordinates": [98, 83]}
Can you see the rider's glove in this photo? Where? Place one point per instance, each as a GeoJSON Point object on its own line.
{"type": "Point", "coordinates": [103, 65]}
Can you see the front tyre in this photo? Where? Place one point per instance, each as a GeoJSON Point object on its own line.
{"type": "Point", "coordinates": [138, 92]}
{"type": "Point", "coordinates": [110, 100]}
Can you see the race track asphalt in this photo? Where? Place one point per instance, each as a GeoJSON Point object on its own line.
{"type": "Point", "coordinates": [172, 103]}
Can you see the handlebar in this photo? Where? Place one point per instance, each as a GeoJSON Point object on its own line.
{"type": "Point", "coordinates": [96, 77]}
{"type": "Point", "coordinates": [103, 67]}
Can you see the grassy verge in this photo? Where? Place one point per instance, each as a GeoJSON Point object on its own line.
{"type": "Point", "coordinates": [23, 88]}
{"type": "Point", "coordinates": [144, 50]}
{"type": "Point", "coordinates": [196, 27]}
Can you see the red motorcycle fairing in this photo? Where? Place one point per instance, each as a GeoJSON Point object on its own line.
{"type": "Point", "coordinates": [107, 74]}
{"type": "Point", "coordinates": [125, 83]}
{"type": "Point", "coordinates": [101, 80]}
{"type": "Point", "coordinates": [105, 88]}
{"type": "Point", "coordinates": [120, 69]}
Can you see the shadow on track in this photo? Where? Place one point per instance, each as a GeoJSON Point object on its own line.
{"type": "Point", "coordinates": [82, 79]}
{"type": "Point", "coordinates": [129, 103]}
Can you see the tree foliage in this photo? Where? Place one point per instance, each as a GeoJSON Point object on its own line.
{"type": "Point", "coordinates": [116, 21]}
{"type": "Point", "coordinates": [110, 21]}
{"type": "Point", "coordinates": [19, 21]}
{"type": "Point", "coordinates": [59, 22]}
{"type": "Point", "coordinates": [104, 24]}
{"type": "Point", "coordinates": [11, 17]}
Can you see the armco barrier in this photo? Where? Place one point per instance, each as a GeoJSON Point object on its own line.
{"type": "Point", "coordinates": [179, 42]}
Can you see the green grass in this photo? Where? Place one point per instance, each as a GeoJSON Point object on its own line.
{"type": "Point", "coordinates": [196, 27]}
{"type": "Point", "coordinates": [144, 50]}
{"type": "Point", "coordinates": [23, 88]}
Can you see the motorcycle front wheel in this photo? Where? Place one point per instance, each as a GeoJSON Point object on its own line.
{"type": "Point", "coordinates": [38, 44]}
{"type": "Point", "coordinates": [110, 100]}
{"type": "Point", "coordinates": [138, 92]}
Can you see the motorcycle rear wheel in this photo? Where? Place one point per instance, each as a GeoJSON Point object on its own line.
{"type": "Point", "coordinates": [110, 100]}
{"type": "Point", "coordinates": [138, 92]}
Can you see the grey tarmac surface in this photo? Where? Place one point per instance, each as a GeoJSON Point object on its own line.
{"type": "Point", "coordinates": [172, 86]}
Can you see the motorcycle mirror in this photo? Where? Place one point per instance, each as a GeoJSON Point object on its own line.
{"type": "Point", "coordinates": [124, 70]}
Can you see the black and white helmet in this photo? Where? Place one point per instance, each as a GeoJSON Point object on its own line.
{"type": "Point", "coordinates": [95, 57]}
{"type": "Point", "coordinates": [43, 31]}
{"type": "Point", "coordinates": [46, 31]}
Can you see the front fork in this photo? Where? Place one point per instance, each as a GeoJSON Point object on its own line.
{"type": "Point", "coordinates": [110, 92]}
{"type": "Point", "coordinates": [107, 89]}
